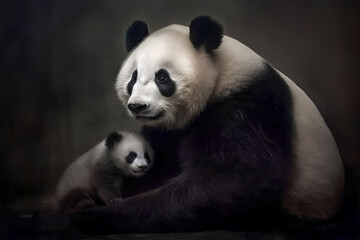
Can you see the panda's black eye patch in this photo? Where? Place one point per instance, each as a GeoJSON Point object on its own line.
{"type": "Point", "coordinates": [147, 157]}
{"type": "Point", "coordinates": [130, 157]}
{"type": "Point", "coordinates": [132, 82]}
{"type": "Point", "coordinates": [165, 84]}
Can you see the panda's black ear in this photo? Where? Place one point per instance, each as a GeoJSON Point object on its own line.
{"type": "Point", "coordinates": [112, 138]}
{"type": "Point", "coordinates": [135, 34]}
{"type": "Point", "coordinates": [205, 31]}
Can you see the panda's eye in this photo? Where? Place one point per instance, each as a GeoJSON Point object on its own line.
{"type": "Point", "coordinates": [162, 78]}
{"type": "Point", "coordinates": [130, 157]}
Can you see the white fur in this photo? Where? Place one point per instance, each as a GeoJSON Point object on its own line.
{"type": "Point", "coordinates": [236, 64]}
{"type": "Point", "coordinates": [317, 178]}
{"type": "Point", "coordinates": [78, 174]}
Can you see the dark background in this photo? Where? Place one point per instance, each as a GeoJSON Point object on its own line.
{"type": "Point", "coordinates": [59, 60]}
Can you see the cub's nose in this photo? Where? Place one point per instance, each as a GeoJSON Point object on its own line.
{"type": "Point", "coordinates": [136, 108]}
{"type": "Point", "coordinates": [143, 166]}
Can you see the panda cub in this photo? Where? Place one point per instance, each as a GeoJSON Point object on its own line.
{"type": "Point", "coordinates": [99, 172]}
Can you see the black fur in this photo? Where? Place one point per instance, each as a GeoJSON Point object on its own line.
{"type": "Point", "coordinates": [132, 82]}
{"type": "Point", "coordinates": [135, 34]}
{"type": "Point", "coordinates": [228, 167]}
{"type": "Point", "coordinates": [112, 138]}
{"type": "Point", "coordinates": [205, 31]}
{"type": "Point", "coordinates": [147, 156]}
{"type": "Point", "coordinates": [130, 157]}
{"type": "Point", "coordinates": [165, 84]}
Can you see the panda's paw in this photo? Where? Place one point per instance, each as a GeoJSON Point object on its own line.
{"type": "Point", "coordinates": [114, 200]}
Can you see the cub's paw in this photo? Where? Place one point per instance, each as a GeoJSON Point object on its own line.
{"type": "Point", "coordinates": [85, 203]}
{"type": "Point", "coordinates": [114, 200]}
{"type": "Point", "coordinates": [75, 200]}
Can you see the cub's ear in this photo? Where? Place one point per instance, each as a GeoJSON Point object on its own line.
{"type": "Point", "coordinates": [205, 31]}
{"type": "Point", "coordinates": [112, 138]}
{"type": "Point", "coordinates": [135, 34]}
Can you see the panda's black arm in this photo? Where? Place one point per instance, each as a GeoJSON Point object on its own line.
{"type": "Point", "coordinates": [200, 197]}
{"type": "Point", "coordinates": [209, 193]}
{"type": "Point", "coordinates": [191, 201]}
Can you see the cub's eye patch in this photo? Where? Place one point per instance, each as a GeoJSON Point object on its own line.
{"type": "Point", "coordinates": [165, 84]}
{"type": "Point", "coordinates": [147, 157]}
{"type": "Point", "coordinates": [130, 157]}
{"type": "Point", "coordinates": [132, 82]}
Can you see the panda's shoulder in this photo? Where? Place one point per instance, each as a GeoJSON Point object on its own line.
{"type": "Point", "coordinates": [263, 89]}
{"type": "Point", "coordinates": [261, 108]}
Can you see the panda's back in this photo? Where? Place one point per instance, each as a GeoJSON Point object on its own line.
{"type": "Point", "coordinates": [78, 173]}
{"type": "Point", "coordinates": [317, 182]}
{"type": "Point", "coordinates": [318, 170]}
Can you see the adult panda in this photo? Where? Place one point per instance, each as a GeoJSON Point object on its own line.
{"type": "Point", "coordinates": [241, 140]}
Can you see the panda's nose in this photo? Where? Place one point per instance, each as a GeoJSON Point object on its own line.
{"type": "Point", "coordinates": [142, 166]}
{"type": "Point", "coordinates": [136, 108]}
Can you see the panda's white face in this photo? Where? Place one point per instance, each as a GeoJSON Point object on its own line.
{"type": "Point", "coordinates": [133, 155]}
{"type": "Point", "coordinates": [165, 81]}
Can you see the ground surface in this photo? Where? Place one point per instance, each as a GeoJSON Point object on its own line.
{"type": "Point", "coordinates": [45, 221]}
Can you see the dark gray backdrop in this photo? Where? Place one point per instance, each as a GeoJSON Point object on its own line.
{"type": "Point", "coordinates": [59, 60]}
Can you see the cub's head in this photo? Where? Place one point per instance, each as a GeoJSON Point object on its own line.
{"type": "Point", "coordinates": [129, 152]}
{"type": "Point", "coordinates": [169, 75]}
